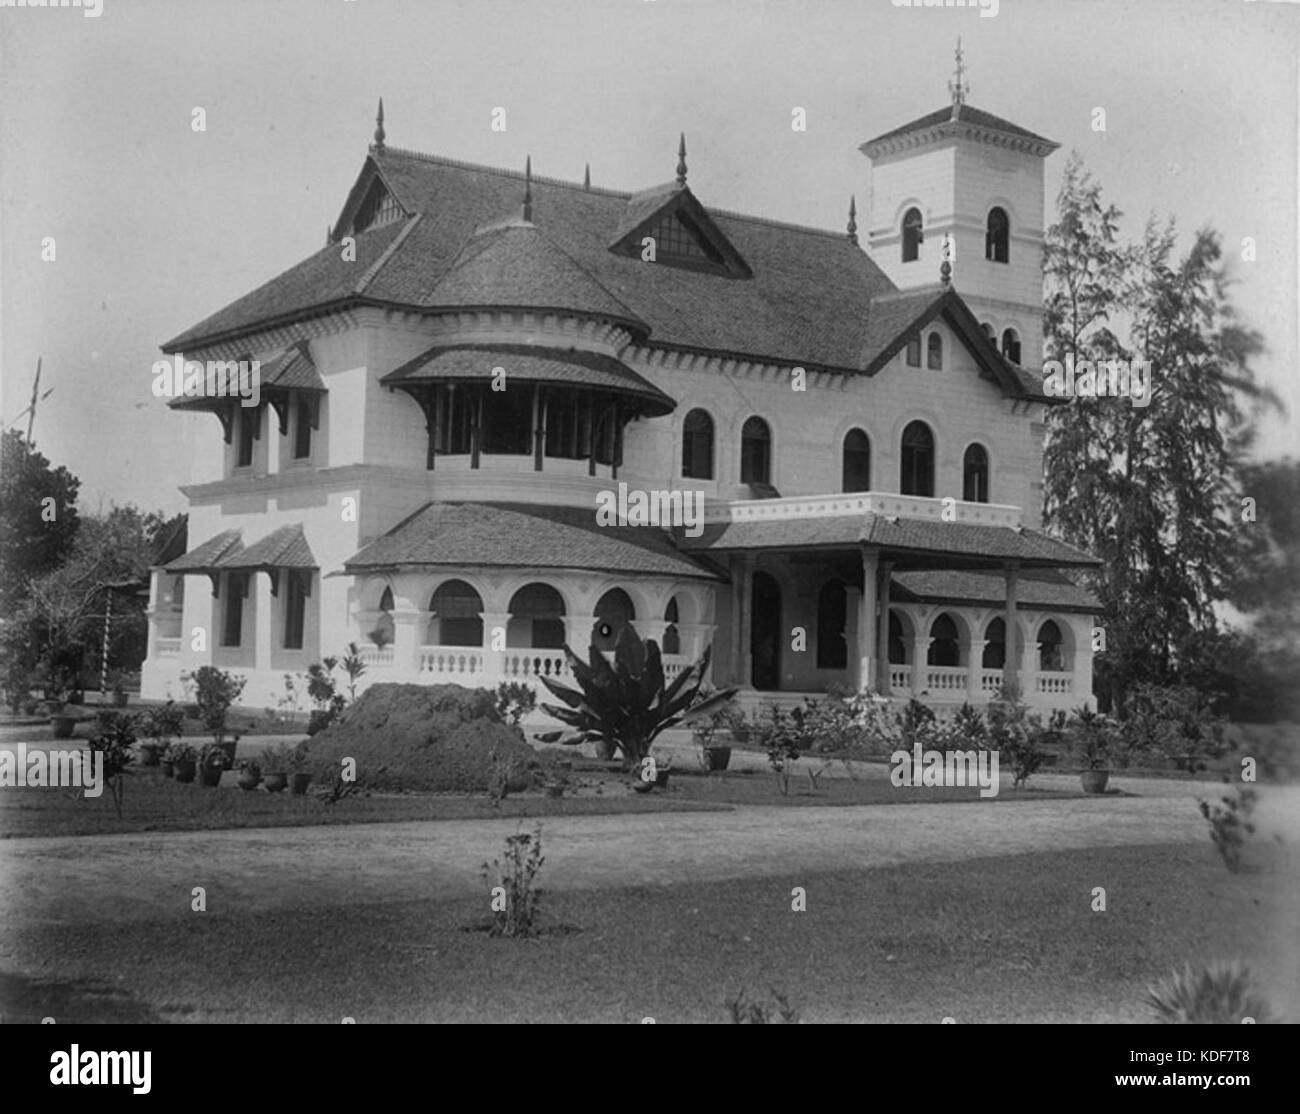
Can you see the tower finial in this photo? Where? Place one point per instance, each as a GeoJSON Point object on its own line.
{"type": "Point", "coordinates": [378, 144]}
{"type": "Point", "coordinates": [586, 177]}
{"type": "Point", "coordinates": [853, 220]}
{"type": "Point", "coordinates": [945, 268]}
{"type": "Point", "coordinates": [528, 188]}
{"type": "Point", "coordinates": [681, 162]}
{"type": "Point", "coordinates": [958, 87]}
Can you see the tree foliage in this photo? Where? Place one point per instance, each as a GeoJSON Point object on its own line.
{"type": "Point", "coordinates": [38, 517]}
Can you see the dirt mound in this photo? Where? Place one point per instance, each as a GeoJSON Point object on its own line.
{"type": "Point", "coordinates": [435, 738]}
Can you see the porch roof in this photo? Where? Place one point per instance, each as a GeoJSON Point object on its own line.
{"type": "Point", "coordinates": [1041, 588]}
{"type": "Point", "coordinates": [285, 548]}
{"type": "Point", "coordinates": [909, 542]}
{"type": "Point", "coordinates": [518, 535]}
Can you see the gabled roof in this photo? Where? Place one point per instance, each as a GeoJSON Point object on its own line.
{"type": "Point", "coordinates": [293, 369]}
{"type": "Point", "coordinates": [898, 316]}
{"type": "Point", "coordinates": [530, 364]}
{"type": "Point", "coordinates": [285, 548]}
{"type": "Point", "coordinates": [804, 304]}
{"type": "Point", "coordinates": [208, 555]}
{"type": "Point", "coordinates": [645, 210]}
{"type": "Point", "coordinates": [964, 120]}
{"type": "Point", "coordinates": [508, 535]}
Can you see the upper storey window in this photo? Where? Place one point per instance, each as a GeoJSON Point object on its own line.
{"type": "Point", "coordinates": [912, 236]}
{"type": "Point", "coordinates": [250, 419]}
{"type": "Point", "coordinates": [917, 476]}
{"type": "Point", "coordinates": [756, 452]}
{"type": "Point", "coordinates": [997, 238]}
{"type": "Point", "coordinates": [697, 446]}
{"type": "Point", "coordinates": [975, 475]}
{"type": "Point", "coordinates": [677, 237]}
{"type": "Point", "coordinates": [934, 352]}
{"type": "Point", "coordinates": [1011, 345]}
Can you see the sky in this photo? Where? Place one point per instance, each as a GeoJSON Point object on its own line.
{"type": "Point", "coordinates": [156, 225]}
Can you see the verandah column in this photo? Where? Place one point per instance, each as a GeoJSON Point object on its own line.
{"type": "Point", "coordinates": [882, 631]}
{"type": "Point", "coordinates": [867, 617]}
{"type": "Point", "coordinates": [742, 622]}
{"type": "Point", "coordinates": [495, 625]}
{"type": "Point", "coordinates": [263, 636]}
{"type": "Point", "coordinates": [1011, 667]}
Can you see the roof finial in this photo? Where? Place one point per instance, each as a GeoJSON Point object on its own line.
{"type": "Point", "coordinates": [586, 177]}
{"type": "Point", "coordinates": [958, 88]}
{"type": "Point", "coordinates": [853, 220]}
{"type": "Point", "coordinates": [528, 189]}
{"type": "Point", "coordinates": [946, 254]}
{"type": "Point", "coordinates": [378, 144]}
{"type": "Point", "coordinates": [681, 162]}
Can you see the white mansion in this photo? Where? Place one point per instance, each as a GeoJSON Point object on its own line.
{"type": "Point", "coordinates": [449, 385]}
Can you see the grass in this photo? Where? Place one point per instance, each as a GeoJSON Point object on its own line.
{"type": "Point", "coordinates": [154, 803]}
{"type": "Point", "coordinates": [992, 940]}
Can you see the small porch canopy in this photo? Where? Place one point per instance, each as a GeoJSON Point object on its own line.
{"type": "Point", "coordinates": [285, 548]}
{"type": "Point", "coordinates": [867, 549]}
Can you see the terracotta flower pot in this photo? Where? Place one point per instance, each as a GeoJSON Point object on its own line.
{"type": "Point", "coordinates": [298, 784]}
{"type": "Point", "coordinates": [275, 782]}
{"type": "Point", "coordinates": [168, 768]}
{"type": "Point", "coordinates": [149, 754]}
{"type": "Point", "coordinates": [249, 781]}
{"type": "Point", "coordinates": [1094, 781]}
{"type": "Point", "coordinates": [210, 776]}
{"type": "Point", "coordinates": [64, 726]}
{"type": "Point", "coordinates": [185, 770]}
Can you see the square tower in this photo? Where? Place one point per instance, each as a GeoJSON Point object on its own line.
{"type": "Point", "coordinates": [968, 174]}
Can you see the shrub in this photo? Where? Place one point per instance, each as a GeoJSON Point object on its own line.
{"type": "Point", "coordinates": [914, 718]}
{"type": "Point", "coordinates": [1015, 735]}
{"type": "Point", "coordinates": [514, 700]}
{"type": "Point", "coordinates": [163, 723]}
{"type": "Point", "coordinates": [1220, 994]}
{"type": "Point", "coordinates": [1096, 739]}
{"type": "Point", "coordinates": [1169, 720]}
{"type": "Point", "coordinates": [747, 1012]}
{"type": "Point", "coordinates": [514, 909]}
{"type": "Point", "coordinates": [283, 758]}
{"type": "Point", "coordinates": [1230, 823]}
{"type": "Point", "coordinates": [432, 738]}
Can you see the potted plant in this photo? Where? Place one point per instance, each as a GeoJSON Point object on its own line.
{"type": "Point", "coordinates": [180, 760]}
{"type": "Point", "coordinates": [707, 732]}
{"type": "Point", "coordinates": [250, 773]}
{"type": "Point", "coordinates": [276, 762]}
{"type": "Point", "coordinates": [216, 692]}
{"type": "Point", "coordinates": [1094, 738]}
{"type": "Point", "coordinates": [299, 775]}
{"type": "Point", "coordinates": [213, 762]}
{"type": "Point", "coordinates": [159, 726]}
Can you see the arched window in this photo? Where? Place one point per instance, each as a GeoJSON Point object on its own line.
{"type": "Point", "coordinates": [697, 446]}
{"type": "Point", "coordinates": [455, 616]}
{"type": "Point", "coordinates": [537, 618]}
{"type": "Point", "coordinates": [1011, 345]}
{"type": "Point", "coordinates": [614, 611]}
{"type": "Point", "coordinates": [918, 461]}
{"type": "Point", "coordinates": [382, 634]}
{"type": "Point", "coordinates": [997, 240]}
{"type": "Point", "coordinates": [672, 637]}
{"type": "Point", "coordinates": [934, 352]}
{"type": "Point", "coordinates": [995, 645]}
{"type": "Point", "coordinates": [897, 647]}
{"type": "Point", "coordinates": [912, 236]}
{"type": "Point", "coordinates": [944, 646]}
{"type": "Point", "coordinates": [975, 475]}
{"type": "Point", "coordinates": [832, 610]}
{"type": "Point", "coordinates": [1050, 657]}
{"type": "Point", "coordinates": [914, 352]}
{"type": "Point", "coordinates": [857, 461]}
{"type": "Point", "coordinates": [990, 332]}
{"type": "Point", "coordinates": [756, 452]}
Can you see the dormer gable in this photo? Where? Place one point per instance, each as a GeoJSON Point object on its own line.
{"type": "Point", "coordinates": [683, 233]}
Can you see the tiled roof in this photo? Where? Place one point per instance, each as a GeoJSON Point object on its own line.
{"type": "Point", "coordinates": [508, 535]}
{"type": "Point", "coordinates": [805, 303]}
{"type": "Point", "coordinates": [1037, 588]}
{"type": "Point", "coordinates": [285, 548]}
{"type": "Point", "coordinates": [208, 555]}
{"type": "Point", "coordinates": [905, 535]}
{"type": "Point", "coordinates": [519, 266]}
{"type": "Point", "coordinates": [966, 114]}
{"type": "Point", "coordinates": [292, 369]}
{"type": "Point", "coordinates": [532, 364]}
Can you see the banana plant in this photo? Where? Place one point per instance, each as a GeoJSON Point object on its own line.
{"type": "Point", "coordinates": [627, 705]}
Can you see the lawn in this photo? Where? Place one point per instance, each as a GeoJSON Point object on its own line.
{"type": "Point", "coordinates": [154, 803]}
{"type": "Point", "coordinates": [1010, 939]}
